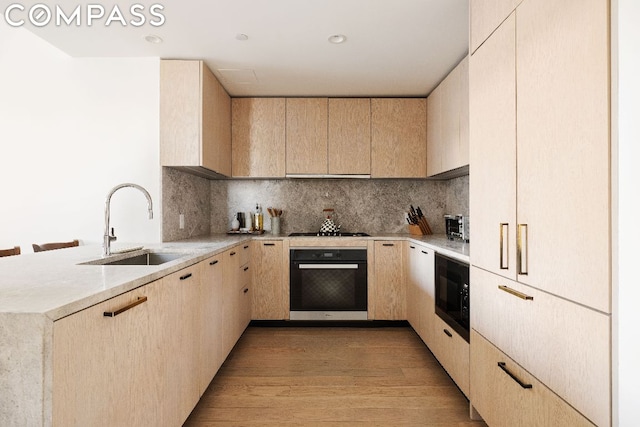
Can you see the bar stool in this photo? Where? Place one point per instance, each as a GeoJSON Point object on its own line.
{"type": "Point", "coordinates": [8, 252]}
{"type": "Point", "coordinates": [51, 246]}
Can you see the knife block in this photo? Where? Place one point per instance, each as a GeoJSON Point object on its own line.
{"type": "Point", "coordinates": [415, 230]}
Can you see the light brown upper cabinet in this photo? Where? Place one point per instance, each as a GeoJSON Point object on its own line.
{"type": "Point", "coordinates": [486, 16]}
{"type": "Point", "coordinates": [540, 115]}
{"type": "Point", "coordinates": [448, 122]}
{"type": "Point", "coordinates": [258, 137]}
{"type": "Point", "coordinates": [306, 150]}
{"type": "Point", "coordinates": [195, 119]}
{"type": "Point", "coordinates": [398, 138]}
{"type": "Point", "coordinates": [349, 150]}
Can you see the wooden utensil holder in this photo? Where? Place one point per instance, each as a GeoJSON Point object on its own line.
{"type": "Point", "coordinates": [415, 230]}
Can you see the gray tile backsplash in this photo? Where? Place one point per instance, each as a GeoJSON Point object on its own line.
{"type": "Point", "coordinates": [368, 205]}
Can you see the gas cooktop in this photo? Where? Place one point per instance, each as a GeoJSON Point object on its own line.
{"type": "Point", "coordinates": [335, 234]}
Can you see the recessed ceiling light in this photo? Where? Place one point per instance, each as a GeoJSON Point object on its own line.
{"type": "Point", "coordinates": [337, 38]}
{"type": "Point", "coordinates": [242, 37]}
{"type": "Point", "coordinates": [152, 38]}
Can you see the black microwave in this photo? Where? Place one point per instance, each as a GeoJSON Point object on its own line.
{"type": "Point", "coordinates": [452, 294]}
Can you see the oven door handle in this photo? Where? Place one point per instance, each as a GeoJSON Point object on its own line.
{"type": "Point", "coordinates": [328, 266]}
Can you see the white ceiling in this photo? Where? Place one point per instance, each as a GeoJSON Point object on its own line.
{"type": "Point", "coordinates": [393, 47]}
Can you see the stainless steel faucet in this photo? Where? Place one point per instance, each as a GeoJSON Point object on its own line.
{"type": "Point", "coordinates": [108, 237]}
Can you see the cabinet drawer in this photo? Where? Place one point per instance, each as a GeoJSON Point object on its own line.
{"type": "Point", "coordinates": [506, 395]}
{"type": "Point", "coordinates": [245, 252]}
{"type": "Point", "coordinates": [565, 345]}
{"type": "Point", "coordinates": [452, 351]}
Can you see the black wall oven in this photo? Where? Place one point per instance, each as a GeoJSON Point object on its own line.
{"type": "Point", "coordinates": [452, 294]}
{"type": "Point", "coordinates": [328, 284]}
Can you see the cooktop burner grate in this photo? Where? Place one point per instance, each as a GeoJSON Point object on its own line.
{"type": "Point", "coordinates": [332, 234]}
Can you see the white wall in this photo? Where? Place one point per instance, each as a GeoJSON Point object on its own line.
{"type": "Point", "coordinates": [70, 130]}
{"type": "Point", "coordinates": [626, 296]}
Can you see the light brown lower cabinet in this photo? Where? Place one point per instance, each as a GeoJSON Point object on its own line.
{"type": "Point", "coordinates": [452, 351]}
{"type": "Point", "coordinates": [270, 286]}
{"type": "Point", "coordinates": [145, 357]}
{"type": "Point", "coordinates": [114, 363]}
{"type": "Point", "coordinates": [389, 288]}
{"type": "Point", "coordinates": [236, 312]}
{"type": "Point", "coordinates": [103, 370]}
{"type": "Point", "coordinates": [420, 273]}
{"type": "Point", "coordinates": [211, 304]}
{"type": "Point", "coordinates": [507, 395]}
{"type": "Point", "coordinates": [563, 344]}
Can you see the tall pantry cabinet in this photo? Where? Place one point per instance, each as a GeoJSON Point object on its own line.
{"type": "Point", "coordinates": [540, 199]}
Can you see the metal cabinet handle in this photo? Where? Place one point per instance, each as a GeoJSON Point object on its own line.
{"type": "Point", "coordinates": [246, 290]}
{"type": "Point", "coordinates": [214, 262]}
{"type": "Point", "coordinates": [246, 268]}
{"type": "Point", "coordinates": [503, 366]}
{"type": "Point", "coordinates": [387, 244]}
{"type": "Point", "coordinates": [504, 237]}
{"type": "Point", "coordinates": [139, 301]}
{"type": "Point", "coordinates": [232, 254]}
{"type": "Point", "coordinates": [448, 333]}
{"type": "Point", "coordinates": [523, 249]}
{"type": "Point", "coordinates": [186, 276]}
{"type": "Point", "coordinates": [412, 247]}
{"type": "Point", "coordinates": [246, 247]}
{"type": "Point", "coordinates": [269, 244]}
{"type": "Point", "coordinates": [515, 293]}
{"type": "Point", "coordinates": [425, 252]}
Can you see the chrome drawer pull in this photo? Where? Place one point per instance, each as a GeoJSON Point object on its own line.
{"type": "Point", "coordinates": [186, 276]}
{"type": "Point", "coordinates": [214, 262]}
{"type": "Point", "coordinates": [269, 244]}
{"type": "Point", "coordinates": [425, 252]}
{"type": "Point", "coordinates": [387, 244]}
{"type": "Point", "coordinates": [503, 366]}
{"type": "Point", "coordinates": [515, 293]}
{"type": "Point", "coordinates": [448, 333]}
{"type": "Point", "coordinates": [140, 300]}
{"type": "Point", "coordinates": [504, 235]}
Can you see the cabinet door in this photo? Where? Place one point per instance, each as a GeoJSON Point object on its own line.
{"type": "Point", "coordinates": [390, 292]}
{"type": "Point", "coordinates": [434, 131]}
{"type": "Point", "coordinates": [306, 136]}
{"type": "Point", "coordinates": [216, 124]}
{"type": "Point", "coordinates": [450, 110]}
{"type": "Point", "coordinates": [180, 113]}
{"type": "Point", "coordinates": [269, 283]}
{"type": "Point", "coordinates": [258, 135]}
{"type": "Point", "coordinates": [485, 16]}
{"type": "Point", "coordinates": [426, 292]}
{"type": "Point", "coordinates": [181, 353]}
{"type": "Point", "coordinates": [349, 136]}
{"type": "Point", "coordinates": [563, 148]}
{"type": "Point", "coordinates": [103, 366]}
{"type": "Point", "coordinates": [452, 351]}
{"type": "Point", "coordinates": [492, 185]}
{"type": "Point", "coordinates": [211, 295]}
{"type": "Point", "coordinates": [230, 298]}
{"type": "Point", "coordinates": [412, 278]}
{"type": "Point", "coordinates": [398, 138]}
{"type": "Point", "coordinates": [507, 395]}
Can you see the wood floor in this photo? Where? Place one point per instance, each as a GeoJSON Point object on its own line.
{"type": "Point", "coordinates": [331, 377]}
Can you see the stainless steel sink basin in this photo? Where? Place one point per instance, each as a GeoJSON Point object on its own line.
{"type": "Point", "coordinates": [147, 258]}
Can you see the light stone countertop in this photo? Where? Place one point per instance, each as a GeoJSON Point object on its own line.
{"type": "Point", "coordinates": [53, 283]}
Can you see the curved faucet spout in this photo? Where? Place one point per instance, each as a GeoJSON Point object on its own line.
{"type": "Point", "coordinates": [109, 236]}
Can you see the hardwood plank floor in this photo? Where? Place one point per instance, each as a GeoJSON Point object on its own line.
{"type": "Point", "coordinates": [331, 376]}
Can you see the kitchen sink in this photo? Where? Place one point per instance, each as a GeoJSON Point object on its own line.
{"type": "Point", "coordinates": [147, 258]}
